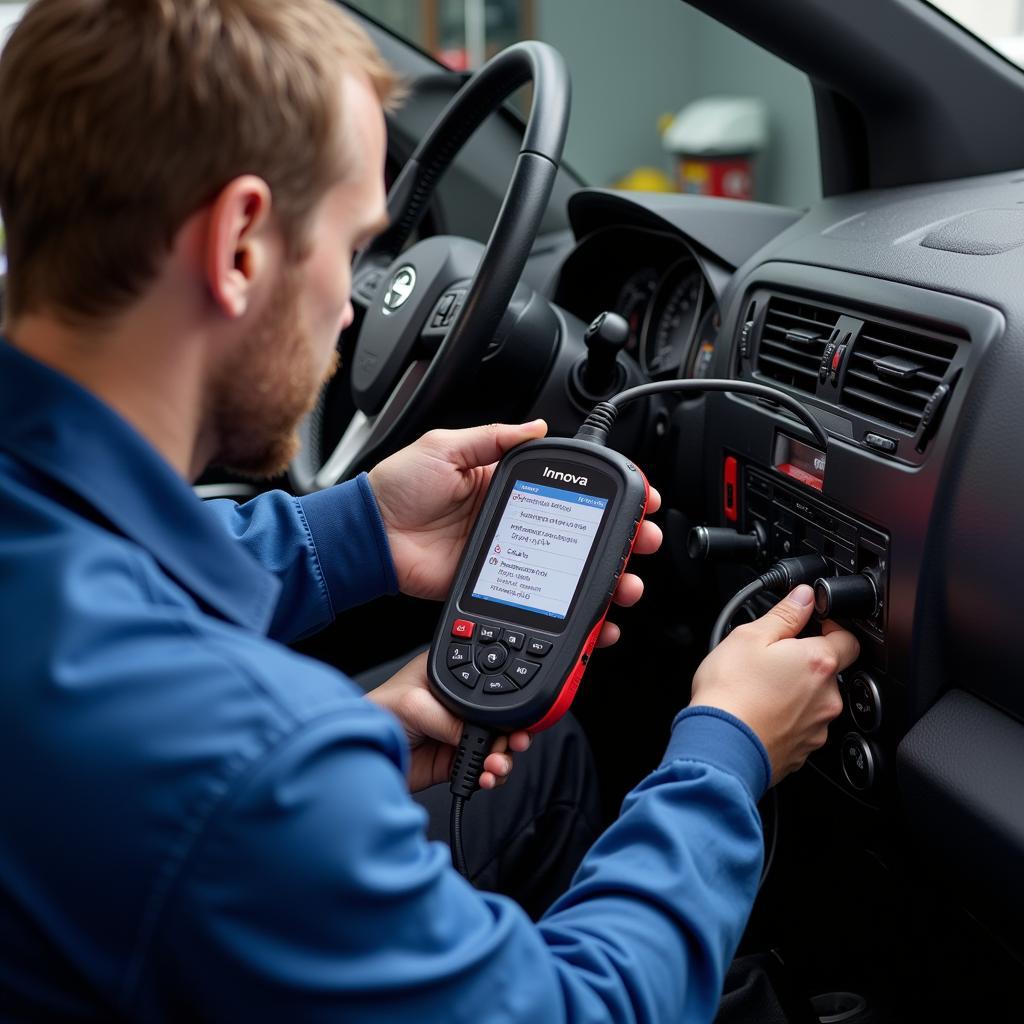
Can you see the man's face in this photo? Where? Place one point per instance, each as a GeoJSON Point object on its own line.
{"type": "Point", "coordinates": [273, 381]}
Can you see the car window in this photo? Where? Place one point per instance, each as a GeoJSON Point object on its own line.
{"type": "Point", "coordinates": [999, 23]}
{"type": "Point", "coordinates": [664, 97]}
{"type": "Point", "coordinates": [636, 67]}
{"type": "Point", "coordinates": [9, 14]}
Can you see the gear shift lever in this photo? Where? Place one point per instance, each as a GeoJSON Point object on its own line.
{"type": "Point", "coordinates": [605, 339]}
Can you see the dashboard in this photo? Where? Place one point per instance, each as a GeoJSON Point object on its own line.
{"type": "Point", "coordinates": [897, 318]}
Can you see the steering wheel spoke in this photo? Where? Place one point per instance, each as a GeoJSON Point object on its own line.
{"type": "Point", "coordinates": [366, 281]}
{"type": "Point", "coordinates": [431, 311]}
{"type": "Point", "coordinates": [364, 433]}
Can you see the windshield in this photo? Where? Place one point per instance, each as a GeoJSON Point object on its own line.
{"type": "Point", "coordinates": [1000, 23]}
{"type": "Point", "coordinates": [664, 97]}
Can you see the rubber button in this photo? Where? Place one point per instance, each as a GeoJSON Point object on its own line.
{"type": "Point", "coordinates": [514, 639]}
{"type": "Point", "coordinates": [490, 659]}
{"type": "Point", "coordinates": [498, 684]}
{"type": "Point", "coordinates": [459, 654]}
{"type": "Point", "coordinates": [466, 674]}
{"type": "Point", "coordinates": [538, 647]}
{"type": "Point", "coordinates": [489, 633]}
{"type": "Point", "coordinates": [521, 672]}
{"type": "Point", "coordinates": [462, 628]}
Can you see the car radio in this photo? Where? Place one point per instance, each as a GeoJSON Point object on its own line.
{"type": "Point", "coordinates": [797, 523]}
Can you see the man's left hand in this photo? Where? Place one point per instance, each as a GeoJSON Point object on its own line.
{"type": "Point", "coordinates": [429, 495]}
{"type": "Point", "coordinates": [434, 732]}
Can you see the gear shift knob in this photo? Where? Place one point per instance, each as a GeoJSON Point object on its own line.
{"type": "Point", "coordinates": [605, 339]}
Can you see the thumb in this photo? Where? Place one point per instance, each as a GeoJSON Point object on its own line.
{"type": "Point", "coordinates": [789, 616]}
{"type": "Point", "coordinates": [480, 446]}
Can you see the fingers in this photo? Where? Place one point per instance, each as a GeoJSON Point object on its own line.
{"type": "Point", "coordinates": [498, 764]}
{"type": "Point", "coordinates": [788, 617]}
{"type": "Point", "coordinates": [653, 501]}
{"type": "Point", "coordinates": [480, 446]}
{"type": "Point", "coordinates": [629, 590]}
{"type": "Point", "coordinates": [520, 742]}
{"type": "Point", "coordinates": [609, 635]}
{"type": "Point", "coordinates": [627, 593]}
{"type": "Point", "coordinates": [843, 643]}
{"type": "Point", "coordinates": [648, 540]}
{"type": "Point", "coordinates": [497, 769]}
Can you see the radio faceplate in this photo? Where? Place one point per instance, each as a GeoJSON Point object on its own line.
{"type": "Point", "coordinates": [797, 522]}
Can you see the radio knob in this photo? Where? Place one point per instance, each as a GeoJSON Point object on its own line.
{"type": "Point", "coordinates": [864, 702]}
{"type": "Point", "coordinates": [859, 761]}
{"type": "Point", "coordinates": [845, 597]}
{"type": "Point", "coordinates": [723, 542]}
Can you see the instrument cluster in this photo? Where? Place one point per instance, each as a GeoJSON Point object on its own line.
{"type": "Point", "coordinates": [653, 280]}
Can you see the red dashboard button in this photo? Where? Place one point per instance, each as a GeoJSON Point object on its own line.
{"type": "Point", "coordinates": [730, 499]}
{"type": "Point", "coordinates": [463, 628]}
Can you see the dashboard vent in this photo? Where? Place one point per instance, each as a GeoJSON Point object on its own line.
{"type": "Point", "coordinates": [894, 371]}
{"type": "Point", "coordinates": [793, 340]}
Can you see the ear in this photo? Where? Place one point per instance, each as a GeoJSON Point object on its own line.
{"type": "Point", "coordinates": [239, 243]}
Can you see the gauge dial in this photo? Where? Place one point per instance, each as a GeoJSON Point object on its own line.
{"type": "Point", "coordinates": [672, 319]}
{"type": "Point", "coordinates": [704, 346]}
{"type": "Point", "coordinates": [634, 298]}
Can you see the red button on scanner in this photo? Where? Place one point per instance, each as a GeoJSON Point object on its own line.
{"type": "Point", "coordinates": [463, 628]}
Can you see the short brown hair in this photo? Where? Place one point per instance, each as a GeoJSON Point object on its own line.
{"type": "Point", "coordinates": [119, 119]}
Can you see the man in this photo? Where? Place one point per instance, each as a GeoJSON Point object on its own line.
{"type": "Point", "coordinates": [199, 823]}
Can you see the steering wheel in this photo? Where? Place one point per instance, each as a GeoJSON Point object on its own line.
{"type": "Point", "coordinates": [431, 311]}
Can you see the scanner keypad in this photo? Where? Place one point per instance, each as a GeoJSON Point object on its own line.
{"type": "Point", "coordinates": [489, 652]}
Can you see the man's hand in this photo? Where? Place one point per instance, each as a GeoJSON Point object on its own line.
{"type": "Point", "coordinates": [783, 688]}
{"type": "Point", "coordinates": [434, 732]}
{"type": "Point", "coordinates": [429, 495]}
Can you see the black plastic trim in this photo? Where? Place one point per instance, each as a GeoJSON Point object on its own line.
{"type": "Point", "coordinates": [961, 776]}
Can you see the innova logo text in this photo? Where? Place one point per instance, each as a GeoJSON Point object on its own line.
{"type": "Point", "coordinates": [580, 481]}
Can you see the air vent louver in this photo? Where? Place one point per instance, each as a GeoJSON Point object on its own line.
{"type": "Point", "coordinates": [894, 371]}
{"type": "Point", "coordinates": [793, 340]}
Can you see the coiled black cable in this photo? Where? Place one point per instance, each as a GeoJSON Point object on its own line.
{"type": "Point", "coordinates": [455, 836]}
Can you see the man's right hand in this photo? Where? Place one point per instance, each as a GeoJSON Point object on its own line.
{"type": "Point", "coordinates": [783, 688]}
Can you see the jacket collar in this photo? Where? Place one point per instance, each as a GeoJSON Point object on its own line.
{"type": "Point", "coordinates": [62, 430]}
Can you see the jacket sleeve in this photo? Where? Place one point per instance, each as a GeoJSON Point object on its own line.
{"type": "Point", "coordinates": [329, 550]}
{"type": "Point", "coordinates": [314, 896]}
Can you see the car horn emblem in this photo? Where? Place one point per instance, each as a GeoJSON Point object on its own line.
{"type": "Point", "coordinates": [399, 289]}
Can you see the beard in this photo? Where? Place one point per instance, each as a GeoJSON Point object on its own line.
{"type": "Point", "coordinates": [264, 392]}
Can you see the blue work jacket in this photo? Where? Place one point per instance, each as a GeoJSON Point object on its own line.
{"type": "Point", "coordinates": [198, 823]}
